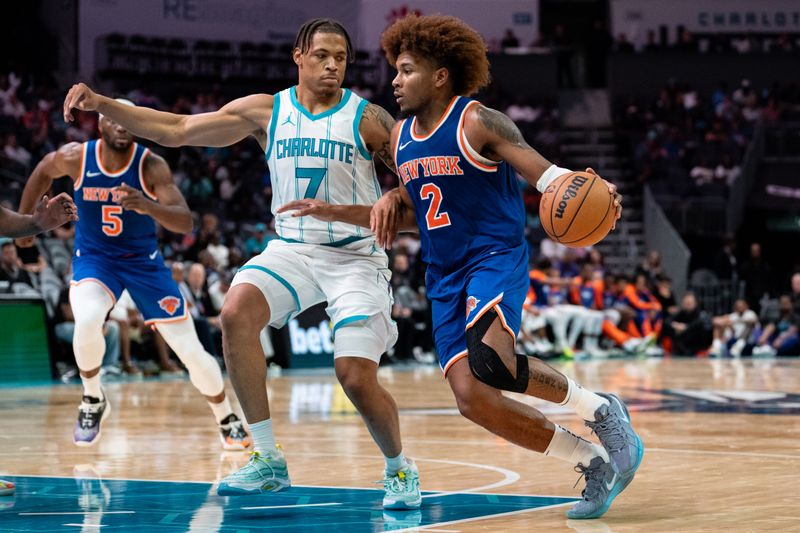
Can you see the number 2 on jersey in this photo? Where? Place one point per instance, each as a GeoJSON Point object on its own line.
{"type": "Point", "coordinates": [315, 177]}
{"type": "Point", "coordinates": [434, 218]}
{"type": "Point", "coordinates": [112, 223]}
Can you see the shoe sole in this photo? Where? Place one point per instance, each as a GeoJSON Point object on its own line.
{"type": "Point", "coordinates": [83, 443]}
{"type": "Point", "coordinates": [399, 505]}
{"type": "Point", "coordinates": [228, 490]}
{"type": "Point", "coordinates": [7, 492]}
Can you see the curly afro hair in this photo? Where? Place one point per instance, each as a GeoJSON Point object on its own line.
{"type": "Point", "coordinates": [448, 41]}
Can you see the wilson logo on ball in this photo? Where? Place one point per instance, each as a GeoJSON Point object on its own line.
{"type": "Point", "coordinates": [570, 192]}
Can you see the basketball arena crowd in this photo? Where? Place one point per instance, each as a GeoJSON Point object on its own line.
{"type": "Point", "coordinates": [577, 307]}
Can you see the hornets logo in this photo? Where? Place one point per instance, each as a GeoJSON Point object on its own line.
{"type": "Point", "coordinates": [170, 304]}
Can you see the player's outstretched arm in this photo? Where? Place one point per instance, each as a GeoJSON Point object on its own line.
{"type": "Point", "coordinates": [233, 122]}
{"type": "Point", "coordinates": [496, 136]}
{"type": "Point", "coordinates": [169, 207]}
{"type": "Point", "coordinates": [49, 213]}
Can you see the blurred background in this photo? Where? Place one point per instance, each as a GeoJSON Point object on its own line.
{"type": "Point", "coordinates": [692, 107]}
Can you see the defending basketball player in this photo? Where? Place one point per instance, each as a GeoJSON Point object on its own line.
{"type": "Point", "coordinates": [121, 188]}
{"type": "Point", "coordinates": [456, 161]}
{"type": "Point", "coordinates": [319, 141]}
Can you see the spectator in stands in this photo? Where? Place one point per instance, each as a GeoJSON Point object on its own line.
{"type": "Point", "coordinates": [725, 262]}
{"type": "Point", "coordinates": [650, 43]}
{"type": "Point", "coordinates": [780, 336]}
{"type": "Point", "coordinates": [13, 278]}
{"type": "Point", "coordinates": [408, 305]}
{"type": "Point", "coordinates": [509, 40]}
{"type": "Point", "coordinates": [597, 262]}
{"type": "Point", "coordinates": [727, 172]}
{"type": "Point", "coordinates": [757, 276]}
{"type": "Point", "coordinates": [15, 152]}
{"type": "Point", "coordinates": [598, 44]}
{"type": "Point", "coordinates": [651, 267]}
{"type": "Point", "coordinates": [690, 329]}
{"type": "Point", "coordinates": [258, 242]}
{"type": "Point", "coordinates": [732, 332]}
{"type": "Point", "coordinates": [664, 294]}
{"type": "Point", "coordinates": [795, 294]}
{"type": "Point", "coordinates": [686, 42]}
{"type": "Point", "coordinates": [702, 173]}
{"type": "Point", "coordinates": [622, 45]}
{"type": "Point", "coordinates": [195, 292]}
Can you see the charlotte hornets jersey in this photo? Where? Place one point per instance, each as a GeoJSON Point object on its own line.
{"type": "Point", "coordinates": [466, 206]}
{"type": "Point", "coordinates": [319, 156]}
{"type": "Point", "coordinates": [104, 227]}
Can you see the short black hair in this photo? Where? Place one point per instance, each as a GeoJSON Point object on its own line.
{"type": "Point", "coordinates": [324, 25]}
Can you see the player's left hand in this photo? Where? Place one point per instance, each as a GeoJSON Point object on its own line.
{"type": "Point", "coordinates": [310, 207]}
{"type": "Point", "coordinates": [133, 199]}
{"type": "Point", "coordinates": [617, 196]}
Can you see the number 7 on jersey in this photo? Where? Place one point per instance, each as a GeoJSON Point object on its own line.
{"type": "Point", "coordinates": [434, 218]}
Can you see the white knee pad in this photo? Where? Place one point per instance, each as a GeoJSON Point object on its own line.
{"type": "Point", "coordinates": [204, 372]}
{"type": "Point", "coordinates": [367, 338]}
{"type": "Point", "coordinates": [90, 304]}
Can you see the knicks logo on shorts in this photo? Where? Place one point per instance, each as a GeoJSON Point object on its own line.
{"type": "Point", "coordinates": [472, 304]}
{"type": "Point", "coordinates": [170, 304]}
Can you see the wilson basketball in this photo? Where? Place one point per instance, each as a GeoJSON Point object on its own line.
{"type": "Point", "coordinates": [577, 210]}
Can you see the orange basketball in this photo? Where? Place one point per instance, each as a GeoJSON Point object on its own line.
{"type": "Point", "coordinates": [577, 210]}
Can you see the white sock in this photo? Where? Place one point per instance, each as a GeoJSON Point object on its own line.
{"type": "Point", "coordinates": [395, 464]}
{"type": "Point", "coordinates": [573, 449]}
{"type": "Point", "coordinates": [221, 409]}
{"type": "Point", "coordinates": [91, 386]}
{"type": "Point", "coordinates": [263, 439]}
{"type": "Point", "coordinates": [581, 401]}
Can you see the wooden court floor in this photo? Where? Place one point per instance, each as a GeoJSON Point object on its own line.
{"type": "Point", "coordinates": [722, 452]}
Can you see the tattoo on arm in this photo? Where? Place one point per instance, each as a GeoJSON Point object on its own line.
{"type": "Point", "coordinates": [384, 120]}
{"type": "Point", "coordinates": [501, 125]}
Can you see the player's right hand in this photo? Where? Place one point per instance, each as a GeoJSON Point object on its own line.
{"type": "Point", "coordinates": [80, 96]}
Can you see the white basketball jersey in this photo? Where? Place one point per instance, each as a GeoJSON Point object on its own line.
{"type": "Point", "coordinates": [319, 156]}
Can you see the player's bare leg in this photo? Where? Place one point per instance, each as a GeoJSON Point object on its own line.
{"type": "Point", "coordinates": [359, 379]}
{"type": "Point", "coordinates": [244, 314]}
{"type": "Point", "coordinates": [492, 360]}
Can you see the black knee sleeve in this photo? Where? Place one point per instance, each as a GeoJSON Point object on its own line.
{"type": "Point", "coordinates": [487, 366]}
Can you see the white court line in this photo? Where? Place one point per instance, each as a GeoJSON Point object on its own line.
{"type": "Point", "coordinates": [290, 506]}
{"type": "Point", "coordinates": [85, 525]}
{"type": "Point", "coordinates": [509, 476]}
{"type": "Point", "coordinates": [485, 517]}
{"type": "Point", "coordinates": [78, 512]}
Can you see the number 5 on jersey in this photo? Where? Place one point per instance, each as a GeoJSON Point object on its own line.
{"type": "Point", "coordinates": [434, 218]}
{"type": "Point", "coordinates": [112, 223]}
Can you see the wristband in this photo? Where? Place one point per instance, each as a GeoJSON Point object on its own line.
{"type": "Point", "coordinates": [549, 175]}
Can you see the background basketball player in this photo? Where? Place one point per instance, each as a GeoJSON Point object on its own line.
{"type": "Point", "coordinates": [121, 188]}
{"type": "Point", "coordinates": [319, 140]}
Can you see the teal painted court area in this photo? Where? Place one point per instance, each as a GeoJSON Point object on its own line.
{"type": "Point", "coordinates": [90, 504]}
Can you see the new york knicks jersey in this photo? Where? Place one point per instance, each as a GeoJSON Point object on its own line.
{"type": "Point", "coordinates": [319, 156]}
{"type": "Point", "coordinates": [104, 227]}
{"type": "Point", "coordinates": [466, 205]}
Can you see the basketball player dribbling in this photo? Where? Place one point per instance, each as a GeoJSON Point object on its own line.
{"type": "Point", "coordinates": [121, 190]}
{"type": "Point", "coordinates": [319, 141]}
{"type": "Point", "coordinates": [456, 161]}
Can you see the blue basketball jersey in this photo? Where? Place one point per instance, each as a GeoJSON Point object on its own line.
{"type": "Point", "coordinates": [104, 227]}
{"type": "Point", "coordinates": [467, 207]}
